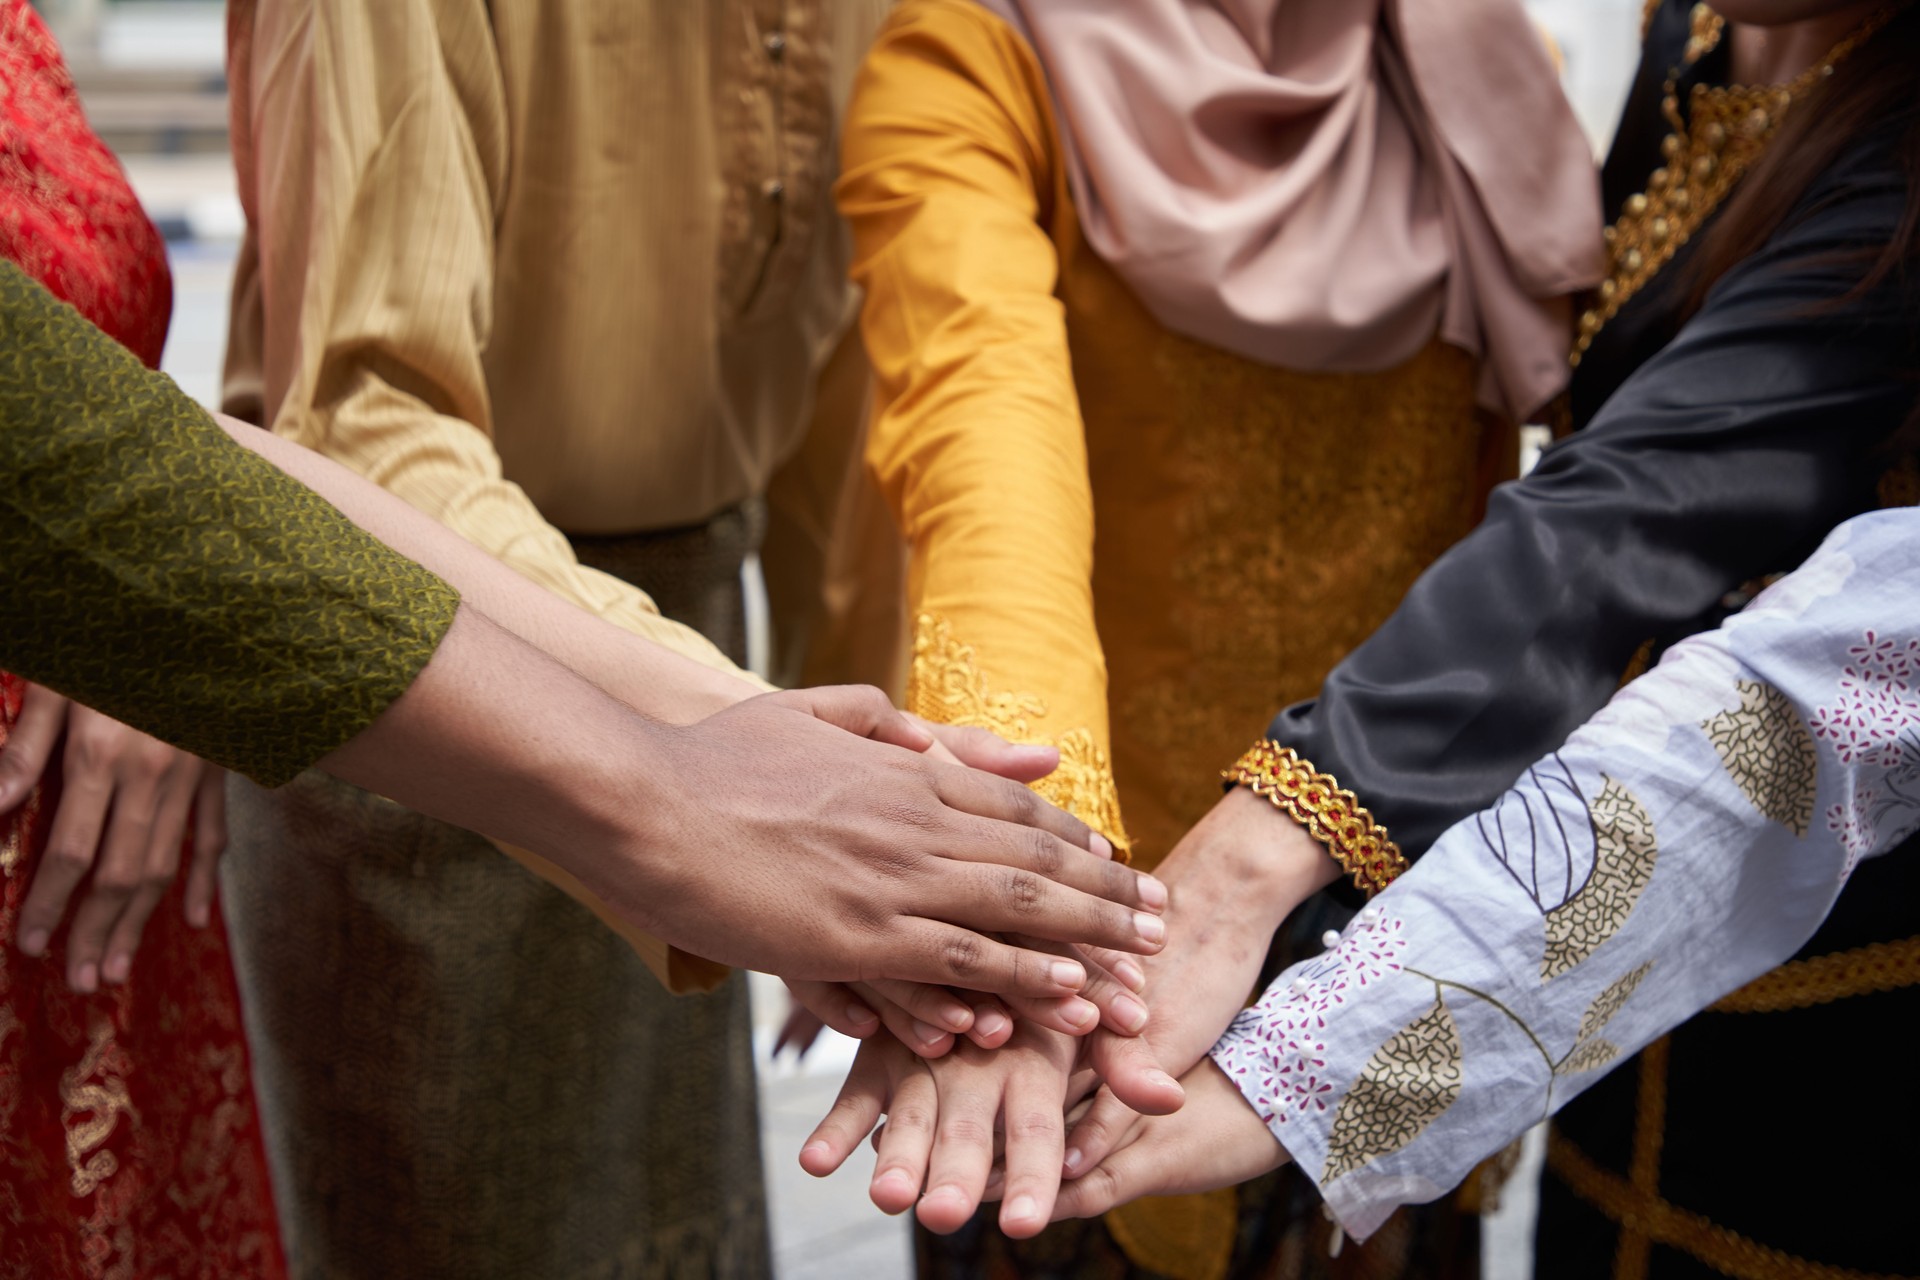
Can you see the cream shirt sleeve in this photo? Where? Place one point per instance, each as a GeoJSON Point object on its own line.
{"type": "Point", "coordinates": [376, 162]}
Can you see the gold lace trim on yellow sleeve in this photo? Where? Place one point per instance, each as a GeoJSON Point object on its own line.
{"type": "Point", "coordinates": [947, 686]}
{"type": "Point", "coordinates": [1332, 815]}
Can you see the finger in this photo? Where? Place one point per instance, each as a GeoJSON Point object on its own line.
{"type": "Point", "coordinates": [72, 845]}
{"type": "Point", "coordinates": [856, 1109]}
{"type": "Point", "coordinates": [1035, 1142]}
{"type": "Point", "coordinates": [992, 1022]}
{"type": "Point", "coordinates": [1124, 967]}
{"type": "Point", "coordinates": [835, 1004]}
{"type": "Point", "coordinates": [1105, 1127]}
{"type": "Point", "coordinates": [1121, 1177]}
{"type": "Point", "coordinates": [922, 950]}
{"type": "Point", "coordinates": [161, 865]}
{"type": "Point", "coordinates": [30, 744]}
{"type": "Point", "coordinates": [861, 710]}
{"type": "Point", "coordinates": [1102, 1000]}
{"type": "Point", "coordinates": [936, 1006]}
{"type": "Point", "coordinates": [1000, 801]}
{"type": "Point", "coordinates": [900, 1170]}
{"type": "Point", "coordinates": [209, 842]}
{"type": "Point", "coordinates": [1010, 899]}
{"type": "Point", "coordinates": [983, 749]}
{"type": "Point", "coordinates": [1131, 1069]}
{"type": "Point", "coordinates": [119, 879]}
{"type": "Point", "coordinates": [962, 1151]}
{"type": "Point", "coordinates": [926, 1041]}
{"type": "Point", "coordinates": [1003, 829]}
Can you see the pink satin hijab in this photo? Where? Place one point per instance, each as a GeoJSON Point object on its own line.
{"type": "Point", "coordinates": [1328, 184]}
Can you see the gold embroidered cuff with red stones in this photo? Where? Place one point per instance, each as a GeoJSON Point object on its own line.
{"type": "Point", "coordinates": [1331, 814]}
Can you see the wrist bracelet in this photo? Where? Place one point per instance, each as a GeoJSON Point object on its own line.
{"type": "Point", "coordinates": [1331, 814]}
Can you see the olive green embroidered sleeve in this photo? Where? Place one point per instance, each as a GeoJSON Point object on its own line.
{"type": "Point", "coordinates": [160, 573]}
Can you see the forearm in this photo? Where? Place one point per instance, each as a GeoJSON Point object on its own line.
{"type": "Point", "coordinates": [1683, 842]}
{"type": "Point", "coordinates": [644, 675]}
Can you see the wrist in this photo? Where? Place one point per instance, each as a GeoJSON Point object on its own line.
{"type": "Point", "coordinates": [1274, 859]}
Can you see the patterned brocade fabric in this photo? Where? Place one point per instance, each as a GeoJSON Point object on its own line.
{"type": "Point", "coordinates": [946, 685]}
{"type": "Point", "coordinates": [180, 583]}
{"type": "Point", "coordinates": [132, 1146]}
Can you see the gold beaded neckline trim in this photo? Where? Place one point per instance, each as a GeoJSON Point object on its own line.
{"type": "Point", "coordinates": [1725, 130]}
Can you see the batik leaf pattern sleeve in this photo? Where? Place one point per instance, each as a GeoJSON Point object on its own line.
{"type": "Point", "coordinates": [159, 572]}
{"type": "Point", "coordinates": [978, 443]}
{"type": "Point", "coordinates": [1687, 839]}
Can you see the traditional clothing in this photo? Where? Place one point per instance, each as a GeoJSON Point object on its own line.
{"type": "Point", "coordinates": [1686, 840]}
{"type": "Point", "coordinates": [129, 1139]}
{"type": "Point", "coordinates": [567, 278]}
{"type": "Point", "coordinates": [1128, 527]}
{"type": "Point", "coordinates": [1714, 447]}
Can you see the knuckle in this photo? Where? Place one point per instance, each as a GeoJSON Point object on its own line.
{"type": "Point", "coordinates": [966, 1131]}
{"type": "Point", "coordinates": [911, 1119]}
{"type": "Point", "coordinates": [1030, 1124]}
{"type": "Point", "coordinates": [1023, 892]}
{"type": "Point", "coordinates": [1043, 853]}
{"type": "Point", "coordinates": [70, 856]}
{"type": "Point", "coordinates": [963, 956]}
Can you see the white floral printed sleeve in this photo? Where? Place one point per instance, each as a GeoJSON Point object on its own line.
{"type": "Point", "coordinates": [1687, 839]}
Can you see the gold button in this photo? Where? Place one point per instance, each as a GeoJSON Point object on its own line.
{"type": "Point", "coordinates": [1714, 135]}
{"type": "Point", "coordinates": [1660, 230]}
{"type": "Point", "coordinates": [1658, 179]}
{"type": "Point", "coordinates": [1633, 261]}
{"type": "Point", "coordinates": [1610, 234]}
{"type": "Point", "coordinates": [1680, 198]}
{"type": "Point", "coordinates": [1636, 205]}
{"type": "Point", "coordinates": [1609, 287]}
{"type": "Point", "coordinates": [1757, 123]}
{"type": "Point", "coordinates": [1590, 322]}
{"type": "Point", "coordinates": [1703, 167]}
{"type": "Point", "coordinates": [1670, 145]}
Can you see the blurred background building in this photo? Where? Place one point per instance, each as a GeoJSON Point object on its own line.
{"type": "Point", "coordinates": [152, 75]}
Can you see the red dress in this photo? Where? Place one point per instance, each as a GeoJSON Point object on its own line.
{"type": "Point", "coordinates": [130, 1144]}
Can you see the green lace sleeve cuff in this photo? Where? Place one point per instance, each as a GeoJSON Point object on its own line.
{"type": "Point", "coordinates": [165, 576]}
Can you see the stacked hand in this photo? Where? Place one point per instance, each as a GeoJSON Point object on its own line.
{"type": "Point", "coordinates": [971, 1121]}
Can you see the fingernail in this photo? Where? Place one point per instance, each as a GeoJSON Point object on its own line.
{"type": "Point", "coordinates": [34, 942]}
{"type": "Point", "coordinates": [861, 1016]}
{"type": "Point", "coordinates": [1151, 928]}
{"type": "Point", "coordinates": [1129, 1013]}
{"type": "Point", "coordinates": [1153, 892]}
{"type": "Point", "coordinates": [1081, 1014]}
{"type": "Point", "coordinates": [925, 1032]}
{"type": "Point", "coordinates": [991, 1022]}
{"type": "Point", "coordinates": [957, 1018]}
{"type": "Point", "coordinates": [1101, 845]}
{"type": "Point", "coordinates": [88, 979]}
{"type": "Point", "coordinates": [1023, 1208]}
{"type": "Point", "coordinates": [813, 1149]}
{"type": "Point", "coordinates": [1068, 974]}
{"type": "Point", "coordinates": [1161, 1077]}
{"type": "Point", "coordinates": [1130, 973]}
{"type": "Point", "coordinates": [117, 967]}
{"type": "Point", "coordinates": [1074, 1157]}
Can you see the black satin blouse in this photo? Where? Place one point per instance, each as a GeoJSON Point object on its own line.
{"type": "Point", "coordinates": [1711, 450]}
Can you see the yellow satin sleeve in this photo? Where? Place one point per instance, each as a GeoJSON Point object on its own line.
{"type": "Point", "coordinates": [950, 176]}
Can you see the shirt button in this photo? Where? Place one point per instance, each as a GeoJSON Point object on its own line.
{"type": "Point", "coordinates": [775, 43]}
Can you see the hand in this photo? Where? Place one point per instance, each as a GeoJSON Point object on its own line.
{"type": "Point", "coordinates": [1234, 878]}
{"type": "Point", "coordinates": [1215, 1140]}
{"type": "Point", "coordinates": [926, 1018]}
{"type": "Point", "coordinates": [125, 802]}
{"type": "Point", "coordinates": [838, 859]}
{"type": "Point", "coordinates": [942, 1120]}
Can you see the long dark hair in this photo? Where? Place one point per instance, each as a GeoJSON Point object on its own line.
{"type": "Point", "coordinates": [1878, 86]}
